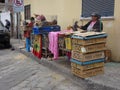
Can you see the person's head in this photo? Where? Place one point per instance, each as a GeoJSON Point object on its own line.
{"type": "Point", "coordinates": [95, 16]}
{"type": "Point", "coordinates": [54, 22]}
{"type": "Point", "coordinates": [32, 19]}
{"type": "Point", "coordinates": [7, 20]}
{"type": "Point", "coordinates": [37, 24]}
{"type": "Point", "coordinates": [76, 22]}
{"type": "Point", "coordinates": [43, 18]}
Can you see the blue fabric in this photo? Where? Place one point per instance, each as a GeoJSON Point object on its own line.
{"type": "Point", "coordinates": [28, 44]}
{"type": "Point", "coordinates": [88, 62]}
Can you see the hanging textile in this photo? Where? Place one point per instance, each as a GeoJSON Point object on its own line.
{"type": "Point", "coordinates": [53, 44]}
{"type": "Point", "coordinates": [37, 46]}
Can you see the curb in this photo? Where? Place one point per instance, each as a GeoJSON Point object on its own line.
{"type": "Point", "coordinates": [85, 83]}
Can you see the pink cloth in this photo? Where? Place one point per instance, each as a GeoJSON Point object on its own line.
{"type": "Point", "coordinates": [65, 31]}
{"type": "Point", "coordinates": [53, 44]}
{"type": "Point", "coordinates": [92, 23]}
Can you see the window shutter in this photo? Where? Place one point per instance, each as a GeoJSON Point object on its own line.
{"type": "Point", "coordinates": [103, 7]}
{"type": "Point", "coordinates": [27, 12]}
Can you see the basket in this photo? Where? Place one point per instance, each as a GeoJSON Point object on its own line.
{"type": "Point", "coordinates": [88, 73]}
{"type": "Point", "coordinates": [87, 57]}
{"type": "Point", "coordinates": [89, 48]}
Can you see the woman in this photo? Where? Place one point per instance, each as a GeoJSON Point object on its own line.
{"type": "Point", "coordinates": [94, 25]}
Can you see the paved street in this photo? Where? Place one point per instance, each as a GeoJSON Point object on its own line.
{"type": "Point", "coordinates": [17, 72]}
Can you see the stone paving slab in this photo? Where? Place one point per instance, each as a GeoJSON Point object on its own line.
{"type": "Point", "coordinates": [108, 81]}
{"type": "Point", "coordinates": [26, 74]}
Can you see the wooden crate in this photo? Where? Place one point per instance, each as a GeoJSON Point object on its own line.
{"type": "Point", "coordinates": [89, 73]}
{"type": "Point", "coordinates": [87, 57]}
{"type": "Point", "coordinates": [74, 41]}
{"type": "Point", "coordinates": [73, 64]}
{"type": "Point", "coordinates": [89, 48]}
{"type": "Point", "coordinates": [45, 41]}
{"type": "Point", "coordinates": [101, 40]}
{"type": "Point", "coordinates": [87, 67]}
{"type": "Point", "coordinates": [89, 41]}
{"type": "Point", "coordinates": [61, 42]}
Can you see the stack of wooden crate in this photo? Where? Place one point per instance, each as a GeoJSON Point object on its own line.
{"type": "Point", "coordinates": [88, 54]}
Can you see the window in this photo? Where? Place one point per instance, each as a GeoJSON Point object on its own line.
{"type": "Point", "coordinates": [27, 12]}
{"type": "Point", "coordinates": [104, 7]}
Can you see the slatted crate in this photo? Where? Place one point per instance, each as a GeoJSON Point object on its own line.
{"type": "Point", "coordinates": [87, 57]}
{"type": "Point", "coordinates": [87, 67]}
{"type": "Point", "coordinates": [61, 41]}
{"type": "Point", "coordinates": [45, 41]}
{"type": "Point", "coordinates": [89, 41]}
{"type": "Point", "coordinates": [88, 73]}
{"type": "Point", "coordinates": [74, 41]}
{"type": "Point", "coordinates": [89, 48]}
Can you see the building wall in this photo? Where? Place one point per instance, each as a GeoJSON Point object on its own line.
{"type": "Point", "coordinates": [68, 11]}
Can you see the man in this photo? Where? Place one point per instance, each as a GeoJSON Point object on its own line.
{"type": "Point", "coordinates": [93, 25]}
{"type": "Point", "coordinates": [7, 26]}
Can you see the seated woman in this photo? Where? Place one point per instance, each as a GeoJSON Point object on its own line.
{"type": "Point", "coordinates": [94, 25]}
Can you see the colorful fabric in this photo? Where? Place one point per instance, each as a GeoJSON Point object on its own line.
{"type": "Point", "coordinates": [31, 24]}
{"type": "Point", "coordinates": [37, 47]}
{"type": "Point", "coordinates": [68, 43]}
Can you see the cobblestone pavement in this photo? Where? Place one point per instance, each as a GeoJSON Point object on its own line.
{"type": "Point", "coordinates": [18, 72]}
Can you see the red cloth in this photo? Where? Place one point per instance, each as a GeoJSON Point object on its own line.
{"type": "Point", "coordinates": [31, 24]}
{"type": "Point", "coordinates": [27, 33]}
{"type": "Point", "coordinates": [68, 55]}
{"type": "Point", "coordinates": [37, 54]}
